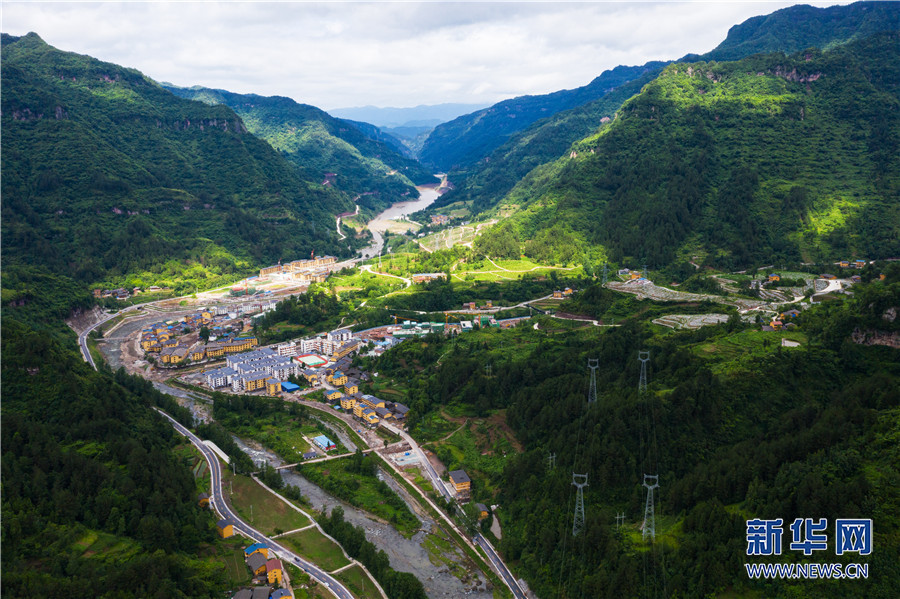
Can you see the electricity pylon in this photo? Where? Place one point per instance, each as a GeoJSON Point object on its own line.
{"type": "Point", "coordinates": [651, 482]}
{"type": "Point", "coordinates": [580, 481]}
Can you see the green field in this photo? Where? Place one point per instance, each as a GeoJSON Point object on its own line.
{"type": "Point", "coordinates": [260, 508]}
{"type": "Point", "coordinates": [738, 351]}
{"type": "Point", "coordinates": [358, 582]}
{"type": "Point", "coordinates": [317, 548]}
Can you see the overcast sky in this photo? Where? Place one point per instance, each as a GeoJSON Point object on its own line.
{"type": "Point", "coordinates": [341, 54]}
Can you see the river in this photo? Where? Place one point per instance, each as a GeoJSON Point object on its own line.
{"type": "Point", "coordinates": [406, 555]}
{"type": "Point", "coordinates": [382, 222]}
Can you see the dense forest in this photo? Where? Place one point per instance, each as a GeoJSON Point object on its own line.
{"type": "Point", "coordinates": [484, 183]}
{"type": "Point", "coordinates": [94, 501]}
{"type": "Point", "coordinates": [774, 433]}
{"type": "Point", "coordinates": [770, 158]}
{"type": "Point", "coordinates": [317, 143]}
{"type": "Point", "coordinates": [94, 151]}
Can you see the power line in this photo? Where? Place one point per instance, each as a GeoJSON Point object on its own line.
{"type": "Point", "coordinates": [593, 364]}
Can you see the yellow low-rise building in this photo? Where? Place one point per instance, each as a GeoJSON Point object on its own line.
{"type": "Point", "coordinates": [333, 395]}
{"type": "Point", "coordinates": [273, 387]}
{"type": "Point", "coordinates": [348, 403]}
{"type": "Point", "coordinates": [351, 387]}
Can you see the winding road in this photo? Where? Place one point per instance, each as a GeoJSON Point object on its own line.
{"type": "Point", "coordinates": [217, 500]}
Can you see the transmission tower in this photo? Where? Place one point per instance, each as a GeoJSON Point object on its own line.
{"type": "Point", "coordinates": [620, 519]}
{"type": "Point", "coordinates": [580, 481]}
{"type": "Point", "coordinates": [593, 364]}
{"type": "Point", "coordinates": [644, 273]}
{"type": "Point", "coordinates": [605, 272]}
{"type": "Point", "coordinates": [644, 357]}
{"type": "Point", "coordinates": [651, 482]}
{"type": "Point", "coordinates": [551, 461]}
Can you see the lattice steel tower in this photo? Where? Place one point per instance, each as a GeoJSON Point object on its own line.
{"type": "Point", "coordinates": [644, 357]}
{"type": "Point", "coordinates": [580, 481]}
{"type": "Point", "coordinates": [605, 273]}
{"type": "Point", "coordinates": [593, 364]}
{"type": "Point", "coordinates": [651, 482]}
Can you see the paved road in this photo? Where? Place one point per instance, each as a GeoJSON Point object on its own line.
{"type": "Point", "coordinates": [438, 484]}
{"type": "Point", "coordinates": [217, 500]}
{"type": "Point", "coordinates": [492, 554]}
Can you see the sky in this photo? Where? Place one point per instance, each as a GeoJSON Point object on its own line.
{"type": "Point", "coordinates": [400, 54]}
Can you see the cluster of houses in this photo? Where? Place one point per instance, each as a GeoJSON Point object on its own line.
{"type": "Point", "coordinates": [344, 380]}
{"type": "Point", "coordinates": [337, 344]}
{"type": "Point", "coordinates": [852, 263]}
{"type": "Point", "coordinates": [314, 270]}
{"type": "Point", "coordinates": [439, 219]}
{"type": "Point", "coordinates": [462, 485]}
{"type": "Point", "coordinates": [782, 321]}
{"type": "Point", "coordinates": [123, 294]}
{"type": "Point", "coordinates": [254, 370]}
{"type": "Point", "coordinates": [266, 571]}
{"type": "Point", "coordinates": [563, 293]}
{"type": "Point", "coordinates": [176, 341]}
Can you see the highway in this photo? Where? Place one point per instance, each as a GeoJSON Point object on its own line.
{"type": "Point", "coordinates": [217, 500]}
{"type": "Point", "coordinates": [499, 566]}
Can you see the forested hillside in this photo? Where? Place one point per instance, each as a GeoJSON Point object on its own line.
{"type": "Point", "coordinates": [467, 139]}
{"type": "Point", "coordinates": [735, 425]}
{"type": "Point", "coordinates": [317, 143]}
{"type": "Point", "coordinates": [94, 501]}
{"type": "Point", "coordinates": [800, 27]}
{"type": "Point", "coordinates": [764, 159]}
{"type": "Point", "coordinates": [482, 184]}
{"type": "Point", "coordinates": [107, 173]}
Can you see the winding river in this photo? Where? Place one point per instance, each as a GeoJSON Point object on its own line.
{"type": "Point", "coordinates": [381, 223]}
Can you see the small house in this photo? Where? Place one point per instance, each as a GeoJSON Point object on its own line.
{"type": "Point", "coordinates": [774, 277]}
{"type": "Point", "coordinates": [273, 571]}
{"type": "Point", "coordinates": [462, 483]}
{"type": "Point", "coordinates": [324, 442]}
{"type": "Point", "coordinates": [257, 548]}
{"type": "Point", "coordinates": [282, 594]}
{"type": "Point", "coordinates": [203, 500]}
{"type": "Point", "coordinates": [482, 511]}
{"type": "Point", "coordinates": [333, 395]}
{"type": "Point", "coordinates": [257, 563]}
{"type": "Point", "coordinates": [225, 528]}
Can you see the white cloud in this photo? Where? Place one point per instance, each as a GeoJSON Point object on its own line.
{"type": "Point", "coordinates": [388, 53]}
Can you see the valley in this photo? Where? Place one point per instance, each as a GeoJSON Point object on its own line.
{"type": "Point", "coordinates": [251, 348]}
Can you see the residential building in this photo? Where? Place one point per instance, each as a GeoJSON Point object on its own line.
{"type": "Point", "coordinates": [333, 395]}
{"type": "Point", "coordinates": [257, 548]}
{"type": "Point", "coordinates": [203, 500]}
{"type": "Point", "coordinates": [462, 483]}
{"type": "Point", "coordinates": [273, 387]}
{"type": "Point", "coordinates": [482, 511]}
{"type": "Point", "coordinates": [257, 563]}
{"type": "Point", "coordinates": [273, 571]}
{"type": "Point", "coordinates": [225, 528]}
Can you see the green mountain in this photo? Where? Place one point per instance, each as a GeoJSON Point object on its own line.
{"type": "Point", "coordinates": [483, 184]}
{"type": "Point", "coordinates": [766, 158]}
{"type": "Point", "coordinates": [107, 173]}
{"type": "Point", "coordinates": [317, 143]}
{"type": "Point", "coordinates": [467, 139]}
{"type": "Point", "coordinates": [800, 27]}
{"type": "Point", "coordinates": [93, 498]}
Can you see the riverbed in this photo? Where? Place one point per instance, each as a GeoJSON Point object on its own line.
{"type": "Point", "coordinates": [382, 222]}
{"type": "Point", "coordinates": [406, 555]}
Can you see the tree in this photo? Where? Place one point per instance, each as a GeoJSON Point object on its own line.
{"type": "Point", "coordinates": [204, 333]}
